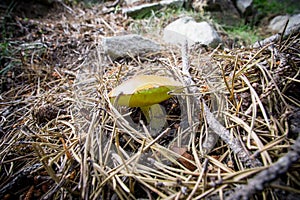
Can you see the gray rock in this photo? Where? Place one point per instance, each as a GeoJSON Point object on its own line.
{"type": "Point", "coordinates": [187, 28]}
{"type": "Point", "coordinates": [176, 3]}
{"type": "Point", "coordinates": [214, 5]}
{"type": "Point", "coordinates": [143, 9]}
{"type": "Point", "coordinates": [277, 24]}
{"type": "Point", "coordinates": [219, 9]}
{"type": "Point", "coordinates": [130, 2]}
{"type": "Point", "coordinates": [244, 6]}
{"type": "Point", "coordinates": [133, 45]}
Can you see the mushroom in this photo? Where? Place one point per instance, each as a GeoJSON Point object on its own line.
{"type": "Point", "coordinates": [146, 92]}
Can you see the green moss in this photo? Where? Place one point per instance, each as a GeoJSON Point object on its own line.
{"type": "Point", "coordinates": [276, 6]}
{"type": "Point", "coordinates": [244, 33]}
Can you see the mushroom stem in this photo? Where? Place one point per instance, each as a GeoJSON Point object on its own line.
{"type": "Point", "coordinates": [145, 111]}
{"type": "Point", "coordinates": [155, 116]}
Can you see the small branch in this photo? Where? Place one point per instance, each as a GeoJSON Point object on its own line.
{"type": "Point", "coordinates": [185, 59]}
{"type": "Point", "coordinates": [259, 182]}
{"type": "Point", "coordinates": [275, 38]}
{"type": "Point", "coordinates": [19, 177]}
{"type": "Point", "coordinates": [193, 102]}
{"type": "Point", "coordinates": [233, 143]}
{"type": "Point", "coordinates": [115, 3]}
{"type": "Point", "coordinates": [217, 128]}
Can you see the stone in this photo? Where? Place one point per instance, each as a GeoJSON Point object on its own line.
{"type": "Point", "coordinates": [142, 10]}
{"type": "Point", "coordinates": [131, 2]}
{"type": "Point", "coordinates": [187, 28]}
{"type": "Point", "coordinates": [213, 5]}
{"type": "Point", "coordinates": [277, 23]}
{"type": "Point", "coordinates": [218, 9]}
{"type": "Point", "coordinates": [146, 8]}
{"type": "Point", "coordinates": [128, 45]}
{"type": "Point", "coordinates": [176, 3]}
{"type": "Point", "coordinates": [244, 6]}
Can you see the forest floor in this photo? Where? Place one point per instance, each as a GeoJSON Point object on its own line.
{"type": "Point", "coordinates": [61, 137]}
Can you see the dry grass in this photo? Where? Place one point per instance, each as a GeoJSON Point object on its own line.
{"type": "Point", "coordinates": [62, 137]}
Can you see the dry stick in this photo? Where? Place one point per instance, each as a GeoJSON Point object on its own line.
{"type": "Point", "coordinates": [214, 124]}
{"type": "Point", "coordinates": [232, 142]}
{"type": "Point", "coordinates": [17, 178]}
{"type": "Point", "coordinates": [276, 37]}
{"type": "Point", "coordinates": [211, 138]}
{"type": "Point", "coordinates": [268, 175]}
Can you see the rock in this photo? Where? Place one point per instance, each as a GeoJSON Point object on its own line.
{"type": "Point", "coordinates": [277, 24]}
{"type": "Point", "coordinates": [244, 6]}
{"type": "Point", "coordinates": [143, 9]}
{"type": "Point", "coordinates": [213, 5]}
{"type": "Point", "coordinates": [176, 3]}
{"type": "Point", "coordinates": [187, 28]}
{"type": "Point", "coordinates": [123, 46]}
{"type": "Point", "coordinates": [219, 10]}
{"type": "Point", "coordinates": [131, 2]}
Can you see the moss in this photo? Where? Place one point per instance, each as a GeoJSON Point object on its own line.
{"type": "Point", "coordinates": [276, 6]}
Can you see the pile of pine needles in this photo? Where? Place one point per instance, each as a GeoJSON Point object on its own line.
{"type": "Point", "coordinates": [232, 131]}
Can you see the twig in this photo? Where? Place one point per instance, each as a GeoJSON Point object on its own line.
{"type": "Point", "coordinates": [25, 174]}
{"type": "Point", "coordinates": [115, 3]}
{"type": "Point", "coordinates": [211, 138]}
{"type": "Point", "coordinates": [259, 182]}
{"type": "Point", "coordinates": [214, 124]}
{"type": "Point", "coordinates": [68, 8]}
{"type": "Point", "coordinates": [233, 143]}
{"type": "Point", "coordinates": [275, 38]}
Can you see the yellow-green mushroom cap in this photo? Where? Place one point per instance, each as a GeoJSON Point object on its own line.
{"type": "Point", "coordinates": [143, 90]}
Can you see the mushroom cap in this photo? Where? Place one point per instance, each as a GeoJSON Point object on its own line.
{"type": "Point", "coordinates": [143, 90]}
